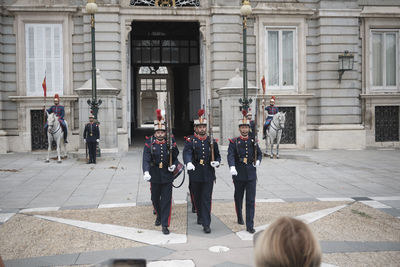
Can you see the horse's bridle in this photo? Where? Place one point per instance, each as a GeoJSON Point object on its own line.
{"type": "Point", "coordinates": [53, 132]}
{"type": "Point", "coordinates": [276, 128]}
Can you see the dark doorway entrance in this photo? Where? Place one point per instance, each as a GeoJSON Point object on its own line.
{"type": "Point", "coordinates": [165, 58]}
{"type": "Point", "coordinates": [39, 136]}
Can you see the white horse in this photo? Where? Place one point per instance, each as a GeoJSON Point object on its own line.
{"type": "Point", "coordinates": [55, 133]}
{"type": "Point", "coordinates": [274, 132]}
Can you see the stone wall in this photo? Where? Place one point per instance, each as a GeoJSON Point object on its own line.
{"type": "Point", "coordinates": [332, 32]}
{"type": "Point", "coordinates": [227, 49]}
{"type": "Point", "coordinates": [8, 109]}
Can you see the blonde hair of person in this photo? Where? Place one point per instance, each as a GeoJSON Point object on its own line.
{"type": "Point", "coordinates": [287, 242]}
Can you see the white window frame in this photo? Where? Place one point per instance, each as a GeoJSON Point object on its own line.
{"type": "Point", "coordinates": [295, 54]}
{"type": "Point", "coordinates": [371, 78]}
{"type": "Point", "coordinates": [54, 78]}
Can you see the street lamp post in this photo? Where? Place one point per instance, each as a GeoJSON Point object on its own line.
{"type": "Point", "coordinates": [245, 11]}
{"type": "Point", "coordinates": [91, 8]}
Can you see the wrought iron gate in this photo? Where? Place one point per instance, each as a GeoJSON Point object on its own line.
{"type": "Point", "coordinates": [386, 123]}
{"type": "Point", "coordinates": [38, 135]}
{"type": "Point", "coordinates": [289, 133]}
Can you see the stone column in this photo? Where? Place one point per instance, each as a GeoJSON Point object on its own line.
{"type": "Point", "coordinates": [107, 115]}
{"type": "Point", "coordinates": [230, 107]}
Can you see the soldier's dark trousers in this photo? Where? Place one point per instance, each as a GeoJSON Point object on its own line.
{"type": "Point", "coordinates": [202, 192]}
{"type": "Point", "coordinates": [250, 188]}
{"type": "Point", "coordinates": [161, 195]}
{"type": "Point", "coordinates": [92, 151]}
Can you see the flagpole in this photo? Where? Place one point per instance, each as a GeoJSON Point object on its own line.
{"type": "Point", "coordinates": [44, 102]}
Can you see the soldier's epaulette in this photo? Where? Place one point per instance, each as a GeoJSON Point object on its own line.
{"type": "Point", "coordinates": [147, 137]}
{"type": "Point", "coordinates": [216, 140]}
{"type": "Point", "coordinates": [187, 139]}
{"type": "Point", "coordinates": [174, 144]}
{"type": "Point", "coordinates": [232, 140]}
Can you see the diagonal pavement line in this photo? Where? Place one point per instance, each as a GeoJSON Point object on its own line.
{"type": "Point", "coordinates": [316, 215]}
{"type": "Point", "coordinates": [150, 237]}
{"type": "Point", "coordinates": [307, 218]}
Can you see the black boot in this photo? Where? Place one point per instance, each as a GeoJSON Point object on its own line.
{"type": "Point", "coordinates": [207, 229]}
{"type": "Point", "coordinates": [165, 230]}
{"type": "Point", "coordinates": [251, 230]}
{"type": "Point", "coordinates": [65, 137]}
{"type": "Point", "coordinates": [157, 222]}
{"type": "Point", "coordinates": [240, 220]}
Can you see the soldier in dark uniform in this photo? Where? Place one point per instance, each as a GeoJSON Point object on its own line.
{"type": "Point", "coordinates": [156, 170]}
{"type": "Point", "coordinates": [197, 157]}
{"type": "Point", "coordinates": [60, 112]}
{"type": "Point", "coordinates": [243, 170]}
{"type": "Point", "coordinates": [91, 136]}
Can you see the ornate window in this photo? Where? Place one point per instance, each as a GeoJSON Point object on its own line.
{"type": "Point", "coordinates": [386, 123]}
{"type": "Point", "coordinates": [280, 58]}
{"type": "Point", "coordinates": [384, 59]}
{"type": "Point", "coordinates": [173, 3]}
{"type": "Point", "coordinates": [44, 56]}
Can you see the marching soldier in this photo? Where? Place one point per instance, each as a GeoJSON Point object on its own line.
{"type": "Point", "coordinates": [91, 136]}
{"type": "Point", "coordinates": [243, 169]}
{"type": "Point", "coordinates": [156, 170]}
{"type": "Point", "coordinates": [197, 157]}
{"type": "Point", "coordinates": [60, 112]}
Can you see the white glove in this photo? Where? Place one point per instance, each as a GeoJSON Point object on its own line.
{"type": "Point", "coordinates": [84, 140]}
{"type": "Point", "coordinates": [190, 166]}
{"type": "Point", "coordinates": [97, 140]}
{"type": "Point", "coordinates": [257, 163]}
{"type": "Point", "coordinates": [171, 168]}
{"type": "Point", "coordinates": [214, 164]}
{"type": "Point", "coordinates": [146, 176]}
{"type": "Point", "coordinates": [233, 171]}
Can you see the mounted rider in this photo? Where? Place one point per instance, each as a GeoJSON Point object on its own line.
{"type": "Point", "coordinates": [271, 111]}
{"type": "Point", "coordinates": [60, 112]}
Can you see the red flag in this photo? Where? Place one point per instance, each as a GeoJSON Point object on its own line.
{"type": "Point", "coordinates": [263, 84]}
{"type": "Point", "coordinates": [44, 86]}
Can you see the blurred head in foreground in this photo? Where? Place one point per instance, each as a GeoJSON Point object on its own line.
{"type": "Point", "coordinates": [287, 242]}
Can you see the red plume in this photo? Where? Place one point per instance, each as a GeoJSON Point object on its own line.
{"type": "Point", "coordinates": [200, 112]}
{"type": "Point", "coordinates": [159, 117]}
{"type": "Point", "coordinates": [244, 112]}
{"type": "Point", "coordinates": [273, 97]}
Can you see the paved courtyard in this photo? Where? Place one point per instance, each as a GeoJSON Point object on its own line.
{"type": "Point", "coordinates": [75, 214]}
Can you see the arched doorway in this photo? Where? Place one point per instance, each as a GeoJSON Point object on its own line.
{"type": "Point", "coordinates": [165, 57]}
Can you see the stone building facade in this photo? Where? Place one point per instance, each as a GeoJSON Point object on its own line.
{"type": "Point", "coordinates": [192, 50]}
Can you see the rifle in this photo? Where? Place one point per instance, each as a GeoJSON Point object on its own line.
{"type": "Point", "coordinates": [168, 127]}
{"type": "Point", "coordinates": [210, 131]}
{"type": "Point", "coordinates": [255, 131]}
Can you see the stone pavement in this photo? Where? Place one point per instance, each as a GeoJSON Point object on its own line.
{"type": "Point", "coordinates": [370, 178]}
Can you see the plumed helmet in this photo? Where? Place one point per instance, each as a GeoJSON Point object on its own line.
{"type": "Point", "coordinates": [201, 120]}
{"type": "Point", "coordinates": [159, 123]}
{"type": "Point", "coordinates": [244, 120]}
